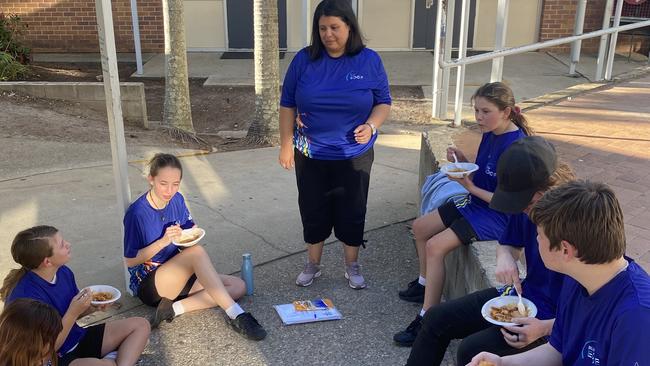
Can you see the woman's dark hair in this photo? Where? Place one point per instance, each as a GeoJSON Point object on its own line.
{"type": "Point", "coordinates": [28, 249]}
{"type": "Point", "coordinates": [502, 96]}
{"type": "Point", "coordinates": [161, 160]}
{"type": "Point", "coordinates": [28, 331]}
{"type": "Point", "coordinates": [343, 10]}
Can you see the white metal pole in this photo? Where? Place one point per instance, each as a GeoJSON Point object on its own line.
{"type": "Point", "coordinates": [500, 39]}
{"type": "Point", "coordinates": [539, 45]}
{"type": "Point", "coordinates": [578, 27]}
{"type": "Point", "coordinates": [114, 110]}
{"type": "Point", "coordinates": [602, 48]}
{"type": "Point", "coordinates": [435, 84]}
{"type": "Point", "coordinates": [460, 76]}
{"type": "Point", "coordinates": [612, 41]}
{"type": "Point", "coordinates": [448, 42]}
{"type": "Point", "coordinates": [136, 36]}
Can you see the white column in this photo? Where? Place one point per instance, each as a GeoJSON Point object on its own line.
{"type": "Point", "coordinates": [602, 49]}
{"type": "Point", "coordinates": [500, 39]}
{"type": "Point", "coordinates": [136, 36]}
{"type": "Point", "coordinates": [612, 41]}
{"type": "Point", "coordinates": [448, 41]}
{"type": "Point", "coordinates": [578, 27]}
{"type": "Point", "coordinates": [460, 76]}
{"type": "Point", "coordinates": [435, 85]}
{"type": "Point", "coordinates": [114, 111]}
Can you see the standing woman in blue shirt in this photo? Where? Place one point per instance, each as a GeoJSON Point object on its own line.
{"type": "Point", "coordinates": [337, 91]}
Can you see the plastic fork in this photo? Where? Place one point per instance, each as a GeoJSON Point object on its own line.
{"type": "Point", "coordinates": [520, 305]}
{"type": "Point", "coordinates": [455, 158]}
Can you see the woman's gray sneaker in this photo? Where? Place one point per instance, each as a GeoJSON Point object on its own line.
{"type": "Point", "coordinates": [353, 274]}
{"type": "Point", "coordinates": [306, 277]}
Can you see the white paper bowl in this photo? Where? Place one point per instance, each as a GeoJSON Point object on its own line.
{"type": "Point", "coordinates": [105, 288]}
{"type": "Point", "coordinates": [189, 232]}
{"type": "Point", "coordinates": [467, 167]}
{"type": "Point", "coordinates": [505, 300]}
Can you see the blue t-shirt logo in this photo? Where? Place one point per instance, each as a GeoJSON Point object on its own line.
{"type": "Point", "coordinates": [589, 352]}
{"type": "Point", "coordinates": [353, 76]}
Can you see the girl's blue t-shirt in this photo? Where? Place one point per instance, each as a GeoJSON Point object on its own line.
{"type": "Point", "coordinates": [487, 223]}
{"type": "Point", "coordinates": [143, 225]}
{"type": "Point", "coordinates": [610, 327]}
{"type": "Point", "coordinates": [58, 294]}
{"type": "Point", "coordinates": [333, 96]}
{"type": "Point", "coordinates": [541, 285]}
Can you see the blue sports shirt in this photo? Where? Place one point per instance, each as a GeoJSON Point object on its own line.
{"type": "Point", "coordinates": [487, 223]}
{"type": "Point", "coordinates": [333, 96]}
{"type": "Point", "coordinates": [541, 285]}
{"type": "Point", "coordinates": [610, 327]}
{"type": "Point", "coordinates": [143, 225]}
{"type": "Point", "coordinates": [58, 294]}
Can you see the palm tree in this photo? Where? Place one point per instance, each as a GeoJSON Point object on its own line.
{"type": "Point", "coordinates": [265, 128]}
{"type": "Point", "coordinates": [177, 112]}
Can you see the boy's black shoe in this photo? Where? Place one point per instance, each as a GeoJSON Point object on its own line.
{"type": "Point", "coordinates": [248, 326]}
{"type": "Point", "coordinates": [164, 311]}
{"type": "Point", "coordinates": [413, 293]}
{"type": "Point", "coordinates": [406, 337]}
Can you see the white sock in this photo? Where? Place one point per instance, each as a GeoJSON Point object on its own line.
{"type": "Point", "coordinates": [178, 308]}
{"type": "Point", "coordinates": [422, 312]}
{"type": "Point", "coordinates": [234, 311]}
{"type": "Point", "coordinates": [422, 281]}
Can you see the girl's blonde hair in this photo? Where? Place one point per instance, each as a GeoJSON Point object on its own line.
{"type": "Point", "coordinates": [28, 249]}
{"type": "Point", "coordinates": [502, 96]}
{"type": "Point", "coordinates": [28, 331]}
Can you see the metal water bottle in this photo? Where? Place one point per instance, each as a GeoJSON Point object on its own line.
{"type": "Point", "coordinates": [247, 273]}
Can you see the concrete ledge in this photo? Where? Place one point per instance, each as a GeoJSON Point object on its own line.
{"type": "Point", "coordinates": [469, 268]}
{"type": "Point", "coordinates": [90, 94]}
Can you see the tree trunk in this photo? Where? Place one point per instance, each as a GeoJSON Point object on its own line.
{"type": "Point", "coordinates": [177, 111]}
{"type": "Point", "coordinates": [265, 128]}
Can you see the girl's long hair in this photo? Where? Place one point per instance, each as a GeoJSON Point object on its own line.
{"type": "Point", "coordinates": [28, 331]}
{"type": "Point", "coordinates": [28, 249]}
{"type": "Point", "coordinates": [502, 96]}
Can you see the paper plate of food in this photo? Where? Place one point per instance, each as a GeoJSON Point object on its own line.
{"type": "Point", "coordinates": [501, 310]}
{"type": "Point", "coordinates": [104, 294]}
{"type": "Point", "coordinates": [458, 170]}
{"type": "Point", "coordinates": [190, 237]}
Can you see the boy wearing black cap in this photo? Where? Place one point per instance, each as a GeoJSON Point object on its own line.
{"type": "Point", "coordinates": [527, 169]}
{"type": "Point", "coordinates": [603, 315]}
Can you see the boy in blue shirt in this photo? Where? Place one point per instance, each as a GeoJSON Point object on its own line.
{"type": "Point", "coordinates": [603, 315]}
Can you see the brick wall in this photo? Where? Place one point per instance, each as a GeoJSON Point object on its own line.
{"type": "Point", "coordinates": [71, 25]}
{"type": "Point", "coordinates": [558, 17]}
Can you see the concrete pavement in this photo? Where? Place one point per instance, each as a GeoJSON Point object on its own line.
{"type": "Point", "coordinates": [247, 203]}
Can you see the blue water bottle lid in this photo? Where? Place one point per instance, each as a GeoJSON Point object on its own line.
{"type": "Point", "coordinates": [247, 256]}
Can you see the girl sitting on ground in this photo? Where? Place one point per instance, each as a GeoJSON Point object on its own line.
{"type": "Point", "coordinates": [174, 279]}
{"type": "Point", "coordinates": [42, 253]}
{"type": "Point", "coordinates": [28, 331]}
{"type": "Point", "coordinates": [460, 223]}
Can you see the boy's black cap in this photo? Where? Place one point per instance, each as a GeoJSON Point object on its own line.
{"type": "Point", "coordinates": [522, 170]}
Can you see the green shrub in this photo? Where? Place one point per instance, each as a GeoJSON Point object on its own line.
{"type": "Point", "coordinates": [11, 28]}
{"type": "Point", "coordinates": [10, 69]}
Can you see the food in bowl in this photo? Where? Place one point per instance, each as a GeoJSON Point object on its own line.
{"type": "Point", "coordinates": [189, 236]}
{"type": "Point", "coordinates": [506, 312]}
{"type": "Point", "coordinates": [102, 296]}
{"type": "Point", "coordinates": [485, 363]}
{"type": "Point", "coordinates": [457, 170]}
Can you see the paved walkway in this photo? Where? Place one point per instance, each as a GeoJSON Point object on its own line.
{"type": "Point", "coordinates": [605, 136]}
